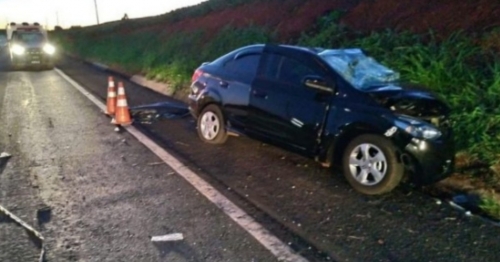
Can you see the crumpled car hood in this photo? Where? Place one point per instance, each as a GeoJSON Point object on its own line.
{"type": "Point", "coordinates": [410, 100]}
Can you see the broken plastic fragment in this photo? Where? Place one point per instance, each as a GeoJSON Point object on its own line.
{"type": "Point", "coordinates": [147, 114]}
{"type": "Point", "coordinates": [169, 237]}
{"type": "Point", "coordinates": [5, 155]}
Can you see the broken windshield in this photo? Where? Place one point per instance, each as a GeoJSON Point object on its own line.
{"type": "Point", "coordinates": [358, 69]}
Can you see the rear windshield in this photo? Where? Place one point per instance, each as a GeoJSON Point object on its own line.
{"type": "Point", "coordinates": [358, 69]}
{"type": "Point", "coordinates": [31, 38]}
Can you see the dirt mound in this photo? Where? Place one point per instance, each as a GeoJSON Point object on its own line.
{"type": "Point", "coordinates": [443, 16]}
{"type": "Point", "coordinates": [286, 17]}
{"type": "Point", "coordinates": [289, 18]}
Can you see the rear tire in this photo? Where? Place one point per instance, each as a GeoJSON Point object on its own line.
{"type": "Point", "coordinates": [211, 125]}
{"type": "Point", "coordinates": [370, 164]}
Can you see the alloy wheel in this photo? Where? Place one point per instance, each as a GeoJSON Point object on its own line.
{"type": "Point", "coordinates": [210, 125]}
{"type": "Point", "coordinates": [367, 164]}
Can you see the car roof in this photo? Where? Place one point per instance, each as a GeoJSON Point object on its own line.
{"type": "Point", "coordinates": [313, 50]}
{"type": "Point", "coordinates": [321, 50]}
{"type": "Point", "coordinates": [290, 48]}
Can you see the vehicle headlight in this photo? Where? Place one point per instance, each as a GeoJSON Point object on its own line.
{"type": "Point", "coordinates": [18, 50]}
{"type": "Point", "coordinates": [49, 49]}
{"type": "Point", "coordinates": [417, 128]}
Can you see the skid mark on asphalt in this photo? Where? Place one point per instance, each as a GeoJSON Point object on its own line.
{"type": "Point", "coordinates": [282, 251]}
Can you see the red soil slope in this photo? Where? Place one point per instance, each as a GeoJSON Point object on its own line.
{"type": "Point", "coordinates": [443, 16]}
{"type": "Point", "coordinates": [291, 17]}
{"type": "Point", "coordinates": [288, 17]}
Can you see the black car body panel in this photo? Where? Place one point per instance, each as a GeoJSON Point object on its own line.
{"type": "Point", "coordinates": [278, 99]}
{"type": "Point", "coordinates": [228, 86]}
{"type": "Point", "coordinates": [290, 96]}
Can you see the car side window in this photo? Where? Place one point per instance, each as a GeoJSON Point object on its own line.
{"type": "Point", "coordinates": [292, 71]}
{"type": "Point", "coordinates": [244, 67]}
{"type": "Point", "coordinates": [271, 65]}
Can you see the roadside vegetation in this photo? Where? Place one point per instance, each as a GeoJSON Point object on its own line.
{"type": "Point", "coordinates": [463, 70]}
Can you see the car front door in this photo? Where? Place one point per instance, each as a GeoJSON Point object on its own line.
{"type": "Point", "coordinates": [282, 107]}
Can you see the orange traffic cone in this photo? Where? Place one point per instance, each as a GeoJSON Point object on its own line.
{"type": "Point", "coordinates": [111, 100]}
{"type": "Point", "coordinates": [122, 115]}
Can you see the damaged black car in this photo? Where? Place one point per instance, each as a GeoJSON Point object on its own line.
{"type": "Point", "coordinates": [338, 106]}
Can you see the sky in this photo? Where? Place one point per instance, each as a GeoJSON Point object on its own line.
{"type": "Point", "coordinates": [82, 12]}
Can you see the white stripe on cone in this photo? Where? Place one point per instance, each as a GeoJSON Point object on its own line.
{"type": "Point", "coordinates": [111, 94]}
{"type": "Point", "coordinates": [111, 84]}
{"type": "Point", "coordinates": [122, 103]}
{"type": "Point", "coordinates": [121, 91]}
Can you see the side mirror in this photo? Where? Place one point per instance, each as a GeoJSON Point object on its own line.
{"type": "Point", "coordinates": [317, 82]}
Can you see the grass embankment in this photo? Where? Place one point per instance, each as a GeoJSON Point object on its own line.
{"type": "Point", "coordinates": [168, 58]}
{"type": "Point", "coordinates": [460, 69]}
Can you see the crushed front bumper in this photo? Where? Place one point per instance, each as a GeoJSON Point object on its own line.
{"type": "Point", "coordinates": [432, 160]}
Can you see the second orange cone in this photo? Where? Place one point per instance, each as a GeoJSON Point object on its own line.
{"type": "Point", "coordinates": [111, 100]}
{"type": "Point", "coordinates": [122, 115]}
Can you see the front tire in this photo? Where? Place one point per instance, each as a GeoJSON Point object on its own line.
{"type": "Point", "coordinates": [211, 126]}
{"type": "Point", "coordinates": [370, 164]}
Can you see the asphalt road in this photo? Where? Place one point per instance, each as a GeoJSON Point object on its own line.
{"type": "Point", "coordinates": [108, 194]}
{"type": "Point", "coordinates": [296, 199]}
{"type": "Point", "coordinates": [406, 225]}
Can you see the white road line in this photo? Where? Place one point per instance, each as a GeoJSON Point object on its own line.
{"type": "Point", "coordinates": [80, 88]}
{"type": "Point", "coordinates": [279, 249]}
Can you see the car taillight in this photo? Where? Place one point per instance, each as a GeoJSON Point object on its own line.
{"type": "Point", "coordinates": [196, 75]}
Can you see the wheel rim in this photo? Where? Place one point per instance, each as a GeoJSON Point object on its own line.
{"type": "Point", "coordinates": [210, 125]}
{"type": "Point", "coordinates": [367, 164]}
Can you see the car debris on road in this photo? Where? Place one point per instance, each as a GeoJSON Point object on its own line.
{"type": "Point", "coordinates": [147, 114]}
{"type": "Point", "coordinates": [5, 155]}
{"type": "Point", "coordinates": [169, 237]}
{"type": "Point", "coordinates": [144, 114]}
{"type": "Point", "coordinates": [30, 229]}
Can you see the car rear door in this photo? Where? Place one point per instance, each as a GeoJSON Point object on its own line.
{"type": "Point", "coordinates": [281, 106]}
{"type": "Point", "coordinates": [234, 84]}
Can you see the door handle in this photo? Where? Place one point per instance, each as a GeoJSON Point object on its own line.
{"type": "Point", "coordinates": [259, 94]}
{"type": "Point", "coordinates": [223, 84]}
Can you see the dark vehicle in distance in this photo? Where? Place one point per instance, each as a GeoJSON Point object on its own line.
{"type": "Point", "coordinates": [340, 107]}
